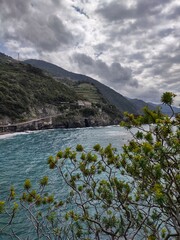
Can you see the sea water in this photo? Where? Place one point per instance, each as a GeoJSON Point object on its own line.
{"type": "Point", "coordinates": [24, 155]}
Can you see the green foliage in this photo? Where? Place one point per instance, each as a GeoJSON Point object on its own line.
{"type": "Point", "coordinates": [79, 148]}
{"type": "Point", "coordinates": [23, 87]}
{"type": "Point", "coordinates": [167, 98]}
{"type": "Point", "coordinates": [88, 91]}
{"type": "Point", "coordinates": [2, 205]}
{"type": "Point", "coordinates": [87, 112]}
{"type": "Point", "coordinates": [132, 194]}
{"type": "Point", "coordinates": [44, 181]}
{"type": "Point", "coordinates": [12, 193]}
{"type": "Point", "coordinates": [27, 184]}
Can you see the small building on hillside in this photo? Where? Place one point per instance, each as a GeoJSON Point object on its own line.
{"type": "Point", "coordinates": [84, 103]}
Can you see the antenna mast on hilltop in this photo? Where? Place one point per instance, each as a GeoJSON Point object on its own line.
{"type": "Point", "coordinates": [18, 56]}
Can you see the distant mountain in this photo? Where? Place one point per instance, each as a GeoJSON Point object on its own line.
{"type": "Point", "coordinates": [165, 108]}
{"type": "Point", "coordinates": [112, 96]}
{"type": "Point", "coordinates": [140, 104]}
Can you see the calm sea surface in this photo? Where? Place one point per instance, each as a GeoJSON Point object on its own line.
{"type": "Point", "coordinates": [24, 155]}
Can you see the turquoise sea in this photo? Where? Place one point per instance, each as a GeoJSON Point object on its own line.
{"type": "Point", "coordinates": [24, 155]}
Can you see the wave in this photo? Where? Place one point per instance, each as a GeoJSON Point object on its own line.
{"type": "Point", "coordinates": [11, 135]}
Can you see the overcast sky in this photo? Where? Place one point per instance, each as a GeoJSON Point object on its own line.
{"type": "Point", "coordinates": [132, 46]}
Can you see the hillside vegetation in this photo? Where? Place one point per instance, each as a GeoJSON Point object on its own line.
{"type": "Point", "coordinates": [22, 87]}
{"type": "Point", "coordinates": [27, 92]}
{"type": "Point", "coordinates": [113, 97]}
{"type": "Point", "coordinates": [89, 92]}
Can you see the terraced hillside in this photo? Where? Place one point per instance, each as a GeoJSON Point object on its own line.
{"type": "Point", "coordinates": [89, 92]}
{"type": "Point", "coordinates": [113, 97]}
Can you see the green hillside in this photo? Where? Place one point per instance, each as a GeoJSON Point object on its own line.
{"type": "Point", "coordinates": [89, 92]}
{"type": "Point", "coordinates": [28, 93]}
{"type": "Point", "coordinates": [113, 97]}
{"type": "Point", "coordinates": [22, 87]}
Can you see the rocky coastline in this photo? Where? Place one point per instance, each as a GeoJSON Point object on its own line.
{"type": "Point", "coordinates": [55, 122]}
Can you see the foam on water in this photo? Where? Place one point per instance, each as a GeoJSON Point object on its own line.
{"type": "Point", "coordinates": [11, 135]}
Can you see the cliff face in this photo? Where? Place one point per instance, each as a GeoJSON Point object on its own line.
{"type": "Point", "coordinates": [61, 121]}
{"type": "Point", "coordinates": [68, 116]}
{"type": "Point", "coordinates": [80, 121]}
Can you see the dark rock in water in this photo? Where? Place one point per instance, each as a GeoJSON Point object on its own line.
{"type": "Point", "coordinates": [87, 124]}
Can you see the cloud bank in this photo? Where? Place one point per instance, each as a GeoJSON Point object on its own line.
{"type": "Point", "coordinates": [132, 46]}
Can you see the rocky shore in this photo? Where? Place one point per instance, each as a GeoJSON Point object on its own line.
{"type": "Point", "coordinates": [59, 121]}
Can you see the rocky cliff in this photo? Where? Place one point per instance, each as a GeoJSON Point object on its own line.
{"type": "Point", "coordinates": [61, 121]}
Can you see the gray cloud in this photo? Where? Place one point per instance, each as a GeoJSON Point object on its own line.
{"type": "Point", "coordinates": [45, 33]}
{"type": "Point", "coordinates": [138, 56]}
{"type": "Point", "coordinates": [149, 94]}
{"type": "Point", "coordinates": [166, 32]}
{"type": "Point", "coordinates": [118, 10]}
{"type": "Point", "coordinates": [174, 13]}
{"type": "Point", "coordinates": [136, 20]}
{"type": "Point", "coordinates": [102, 47]}
{"type": "Point", "coordinates": [13, 10]}
{"type": "Point", "coordinates": [57, 2]}
{"type": "Point", "coordinates": [175, 59]}
{"type": "Point", "coordinates": [114, 74]}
